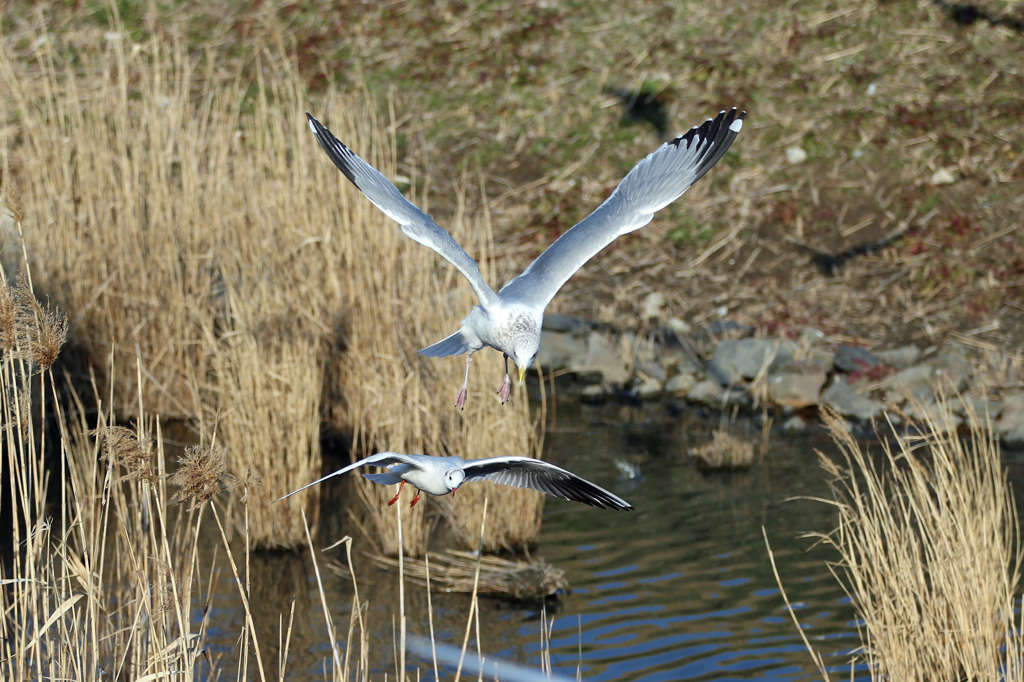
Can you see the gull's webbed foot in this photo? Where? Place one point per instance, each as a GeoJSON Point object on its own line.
{"type": "Point", "coordinates": [505, 390]}
{"type": "Point", "coordinates": [395, 498]}
{"type": "Point", "coordinates": [415, 500]}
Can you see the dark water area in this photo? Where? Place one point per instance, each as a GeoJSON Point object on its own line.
{"type": "Point", "coordinates": [680, 589]}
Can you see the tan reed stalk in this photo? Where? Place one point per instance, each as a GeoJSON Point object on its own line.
{"type": "Point", "coordinates": [474, 603]}
{"type": "Point", "coordinates": [931, 554]}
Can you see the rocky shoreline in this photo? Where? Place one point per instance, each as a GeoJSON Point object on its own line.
{"type": "Point", "coordinates": [723, 365]}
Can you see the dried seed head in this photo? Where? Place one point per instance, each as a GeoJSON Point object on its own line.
{"type": "Point", "coordinates": [42, 331]}
{"type": "Point", "coordinates": [199, 473]}
{"type": "Point", "coordinates": [10, 199]}
{"type": "Point", "coordinates": [122, 447]}
{"type": "Point", "coordinates": [251, 480]}
{"type": "Point", "coordinates": [51, 333]}
{"type": "Point", "coordinates": [8, 317]}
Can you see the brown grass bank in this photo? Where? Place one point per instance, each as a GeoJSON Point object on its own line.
{"type": "Point", "coordinates": [186, 220]}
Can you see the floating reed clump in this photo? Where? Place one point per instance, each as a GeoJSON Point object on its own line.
{"type": "Point", "coordinates": [931, 554]}
{"type": "Point", "coordinates": [457, 571]}
{"type": "Point", "coordinates": [725, 450]}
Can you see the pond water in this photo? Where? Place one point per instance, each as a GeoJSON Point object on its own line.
{"type": "Point", "coordinates": [680, 589]}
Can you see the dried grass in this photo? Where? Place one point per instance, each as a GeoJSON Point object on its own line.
{"type": "Point", "coordinates": [931, 552]}
{"type": "Point", "coordinates": [109, 584]}
{"type": "Point", "coordinates": [197, 227]}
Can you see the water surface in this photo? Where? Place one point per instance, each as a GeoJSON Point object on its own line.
{"type": "Point", "coordinates": [680, 589]}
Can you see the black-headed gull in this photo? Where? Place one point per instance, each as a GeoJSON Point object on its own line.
{"type": "Point", "coordinates": [510, 320]}
{"type": "Point", "coordinates": [443, 475]}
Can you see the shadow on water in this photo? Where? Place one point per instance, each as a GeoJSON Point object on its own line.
{"type": "Point", "coordinates": [681, 588]}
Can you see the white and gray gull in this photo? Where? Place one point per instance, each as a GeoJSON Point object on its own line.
{"type": "Point", "coordinates": [510, 320]}
{"type": "Point", "coordinates": [443, 475]}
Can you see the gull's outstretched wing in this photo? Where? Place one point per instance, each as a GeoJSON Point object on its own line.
{"type": "Point", "coordinates": [526, 472]}
{"type": "Point", "coordinates": [654, 183]}
{"type": "Point", "coordinates": [381, 459]}
{"type": "Point", "coordinates": [416, 224]}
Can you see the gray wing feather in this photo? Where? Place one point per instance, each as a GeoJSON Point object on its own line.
{"type": "Point", "coordinates": [526, 472]}
{"type": "Point", "coordinates": [381, 459]}
{"type": "Point", "coordinates": [451, 345]}
{"type": "Point", "coordinates": [654, 183]}
{"type": "Point", "coordinates": [416, 224]}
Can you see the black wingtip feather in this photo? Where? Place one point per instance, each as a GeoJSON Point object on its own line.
{"type": "Point", "coordinates": [715, 136]}
{"type": "Point", "coordinates": [333, 147]}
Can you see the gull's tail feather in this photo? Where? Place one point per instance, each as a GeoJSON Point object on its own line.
{"type": "Point", "coordinates": [453, 345]}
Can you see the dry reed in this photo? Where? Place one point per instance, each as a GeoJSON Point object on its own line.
{"type": "Point", "coordinates": [195, 225]}
{"type": "Point", "coordinates": [109, 584]}
{"type": "Point", "coordinates": [931, 555]}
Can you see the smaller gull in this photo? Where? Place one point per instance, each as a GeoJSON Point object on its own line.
{"type": "Point", "coordinates": [510, 320]}
{"type": "Point", "coordinates": [443, 475]}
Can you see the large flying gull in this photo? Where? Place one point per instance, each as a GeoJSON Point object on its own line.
{"type": "Point", "coordinates": [510, 320]}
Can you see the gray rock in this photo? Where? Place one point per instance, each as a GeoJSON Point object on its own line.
{"type": "Point", "coordinates": [810, 336]}
{"type": "Point", "coordinates": [899, 358]}
{"type": "Point", "coordinates": [681, 384]}
{"type": "Point", "coordinates": [938, 417]}
{"type": "Point", "coordinates": [917, 381]}
{"type": "Point", "coordinates": [842, 398]}
{"type": "Point", "coordinates": [979, 407]}
{"type": "Point", "coordinates": [951, 368]}
{"type": "Point", "coordinates": [707, 391]}
{"type": "Point", "coordinates": [821, 356]}
{"type": "Point", "coordinates": [557, 349]}
{"type": "Point", "coordinates": [1010, 425]}
{"type": "Point", "coordinates": [799, 385]}
{"type": "Point", "coordinates": [602, 358]}
{"type": "Point", "coordinates": [706, 339]}
{"type": "Point", "coordinates": [649, 388]}
{"type": "Point", "coordinates": [854, 359]}
{"type": "Point", "coordinates": [737, 360]}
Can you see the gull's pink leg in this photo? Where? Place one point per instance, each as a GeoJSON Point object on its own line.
{"type": "Point", "coordinates": [460, 399]}
{"type": "Point", "coordinates": [415, 499]}
{"type": "Point", "coordinates": [505, 390]}
{"type": "Point", "coordinates": [395, 498]}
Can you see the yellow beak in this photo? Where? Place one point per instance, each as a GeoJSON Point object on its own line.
{"type": "Point", "coordinates": [522, 373]}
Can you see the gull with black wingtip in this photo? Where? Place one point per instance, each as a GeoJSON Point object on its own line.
{"type": "Point", "coordinates": [510, 320]}
{"type": "Point", "coordinates": [443, 475]}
